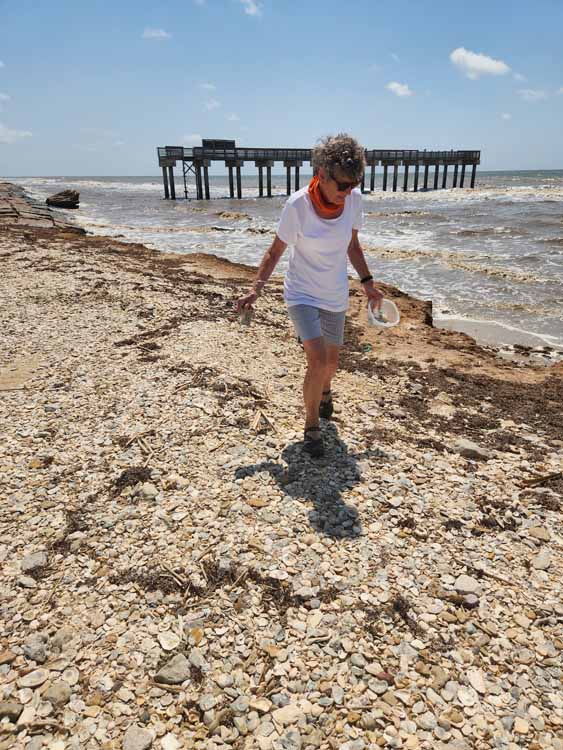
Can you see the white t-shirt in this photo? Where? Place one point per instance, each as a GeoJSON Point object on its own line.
{"type": "Point", "coordinates": [318, 260]}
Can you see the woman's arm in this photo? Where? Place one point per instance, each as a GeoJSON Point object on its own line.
{"type": "Point", "coordinates": [357, 259]}
{"type": "Point", "coordinates": [265, 269]}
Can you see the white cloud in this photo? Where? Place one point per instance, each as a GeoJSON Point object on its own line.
{"type": "Point", "coordinates": [233, 117]}
{"type": "Point", "coordinates": [212, 104]}
{"type": "Point", "coordinates": [156, 34]}
{"type": "Point", "coordinates": [120, 143]}
{"type": "Point", "coordinates": [7, 135]}
{"type": "Point", "coordinates": [395, 57]}
{"type": "Point", "coordinates": [192, 140]}
{"type": "Point", "coordinates": [207, 86]}
{"type": "Point", "coordinates": [474, 64]}
{"type": "Point", "coordinates": [506, 116]}
{"type": "Point", "coordinates": [519, 77]}
{"type": "Point", "coordinates": [251, 8]}
{"type": "Point", "coordinates": [399, 89]}
{"type": "Point", "coordinates": [532, 95]}
{"type": "Point", "coordinates": [560, 91]}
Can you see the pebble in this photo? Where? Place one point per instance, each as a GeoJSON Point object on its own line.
{"type": "Point", "coordinates": [168, 640]}
{"type": "Point", "coordinates": [175, 671]}
{"type": "Point", "coordinates": [10, 710]}
{"type": "Point", "coordinates": [35, 647]}
{"type": "Point", "coordinates": [34, 561]}
{"type": "Point", "coordinates": [539, 532]}
{"type": "Point", "coordinates": [136, 738]}
{"type": "Point", "coordinates": [542, 560]}
{"type": "Point", "coordinates": [290, 714]}
{"type": "Point", "coordinates": [34, 679]}
{"type": "Point", "coordinates": [58, 693]}
{"type": "Point", "coordinates": [465, 584]}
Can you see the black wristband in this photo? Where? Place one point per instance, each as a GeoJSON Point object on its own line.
{"type": "Point", "coordinates": [369, 277]}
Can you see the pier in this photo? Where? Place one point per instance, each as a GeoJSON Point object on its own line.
{"type": "Point", "coordinates": [197, 160]}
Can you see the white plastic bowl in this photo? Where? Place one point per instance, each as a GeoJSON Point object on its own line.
{"type": "Point", "coordinates": [385, 316]}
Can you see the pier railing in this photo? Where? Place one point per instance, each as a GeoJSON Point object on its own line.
{"type": "Point", "coordinates": [196, 160]}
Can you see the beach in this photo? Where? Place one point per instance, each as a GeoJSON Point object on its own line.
{"type": "Point", "coordinates": [178, 573]}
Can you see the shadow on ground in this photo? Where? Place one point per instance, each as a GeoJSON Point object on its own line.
{"type": "Point", "coordinates": [320, 481]}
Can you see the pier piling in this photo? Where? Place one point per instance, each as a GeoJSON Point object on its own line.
{"type": "Point", "coordinates": [165, 181]}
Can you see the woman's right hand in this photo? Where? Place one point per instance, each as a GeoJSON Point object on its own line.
{"type": "Point", "coordinates": [246, 302]}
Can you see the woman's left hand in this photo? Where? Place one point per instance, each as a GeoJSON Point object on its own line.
{"type": "Point", "coordinates": [373, 294]}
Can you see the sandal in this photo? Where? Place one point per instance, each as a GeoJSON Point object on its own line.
{"type": "Point", "coordinates": [326, 407]}
{"type": "Point", "coordinates": [313, 442]}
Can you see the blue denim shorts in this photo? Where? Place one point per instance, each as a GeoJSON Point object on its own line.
{"type": "Point", "coordinates": [312, 323]}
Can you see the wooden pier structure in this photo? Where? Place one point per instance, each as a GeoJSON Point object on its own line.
{"type": "Point", "coordinates": [197, 160]}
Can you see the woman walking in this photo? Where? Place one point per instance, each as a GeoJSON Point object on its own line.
{"type": "Point", "coordinates": [321, 223]}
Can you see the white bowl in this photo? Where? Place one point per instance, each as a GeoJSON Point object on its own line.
{"type": "Point", "coordinates": [385, 316]}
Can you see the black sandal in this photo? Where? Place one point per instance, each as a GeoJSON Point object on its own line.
{"type": "Point", "coordinates": [326, 407]}
{"type": "Point", "coordinates": [313, 442]}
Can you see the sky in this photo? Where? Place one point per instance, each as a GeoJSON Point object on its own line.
{"type": "Point", "coordinates": [92, 88]}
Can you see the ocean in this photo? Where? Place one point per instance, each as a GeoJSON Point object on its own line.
{"type": "Point", "coordinates": [490, 259]}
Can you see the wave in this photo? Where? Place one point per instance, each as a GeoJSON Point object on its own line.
{"type": "Point", "coordinates": [490, 232]}
{"type": "Point", "coordinates": [452, 260]}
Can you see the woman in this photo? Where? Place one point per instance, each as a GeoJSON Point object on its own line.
{"type": "Point", "coordinates": [321, 223]}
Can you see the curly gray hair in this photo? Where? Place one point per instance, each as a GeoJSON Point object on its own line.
{"type": "Point", "coordinates": [341, 151]}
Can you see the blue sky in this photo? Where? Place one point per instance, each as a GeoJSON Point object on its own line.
{"type": "Point", "coordinates": [92, 88]}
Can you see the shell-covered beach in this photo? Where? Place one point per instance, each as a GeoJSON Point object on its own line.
{"type": "Point", "coordinates": [176, 571]}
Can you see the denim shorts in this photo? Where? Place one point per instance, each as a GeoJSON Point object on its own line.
{"type": "Point", "coordinates": [312, 323]}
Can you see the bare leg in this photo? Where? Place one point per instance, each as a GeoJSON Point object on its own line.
{"type": "Point", "coordinates": [316, 352]}
{"type": "Point", "coordinates": [332, 352]}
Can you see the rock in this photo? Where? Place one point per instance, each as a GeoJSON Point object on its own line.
{"type": "Point", "coordinates": [174, 672]}
{"type": "Point", "coordinates": [169, 742]}
{"type": "Point", "coordinates": [168, 640]}
{"type": "Point", "coordinates": [148, 491]}
{"type": "Point", "coordinates": [465, 584]}
{"type": "Point", "coordinates": [542, 560]}
{"type": "Point", "coordinates": [33, 679]}
{"type": "Point", "coordinates": [539, 532]}
{"type": "Point", "coordinates": [240, 706]}
{"type": "Point", "coordinates": [521, 726]}
{"type": "Point", "coordinates": [262, 705]}
{"type": "Point", "coordinates": [289, 714]}
{"type": "Point", "coordinates": [34, 561]}
{"type": "Point", "coordinates": [58, 693]}
{"type": "Point", "coordinates": [476, 680]}
{"type": "Point", "coordinates": [136, 738]}
{"type": "Point", "coordinates": [10, 710]}
{"type": "Point", "coordinates": [471, 601]}
{"type": "Point", "coordinates": [469, 449]}
{"type": "Point", "coordinates": [64, 199]}
{"type": "Point", "coordinates": [197, 660]}
{"type": "Point", "coordinates": [27, 582]}
{"type": "Point", "coordinates": [35, 648]}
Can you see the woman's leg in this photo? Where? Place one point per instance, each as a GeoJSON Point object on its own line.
{"type": "Point", "coordinates": [316, 352]}
{"type": "Point", "coordinates": [332, 352]}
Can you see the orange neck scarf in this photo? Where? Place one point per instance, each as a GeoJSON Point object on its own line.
{"type": "Point", "coordinates": [324, 208]}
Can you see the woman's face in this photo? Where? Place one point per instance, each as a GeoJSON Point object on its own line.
{"type": "Point", "coordinates": [333, 185]}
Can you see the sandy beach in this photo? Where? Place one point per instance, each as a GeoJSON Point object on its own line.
{"type": "Point", "coordinates": [177, 573]}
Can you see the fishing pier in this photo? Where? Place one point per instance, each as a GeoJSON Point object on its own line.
{"type": "Point", "coordinates": [197, 160]}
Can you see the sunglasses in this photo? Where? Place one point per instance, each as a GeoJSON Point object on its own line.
{"type": "Point", "coordinates": [342, 187]}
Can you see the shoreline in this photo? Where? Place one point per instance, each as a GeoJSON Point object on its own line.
{"type": "Point", "coordinates": [521, 344]}
{"type": "Point", "coordinates": [177, 572]}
